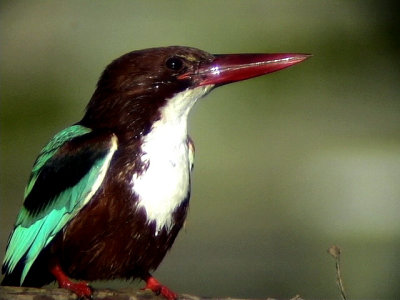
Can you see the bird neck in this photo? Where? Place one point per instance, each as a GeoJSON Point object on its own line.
{"type": "Point", "coordinates": [164, 184]}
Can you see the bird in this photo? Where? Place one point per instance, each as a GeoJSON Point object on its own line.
{"type": "Point", "coordinates": [107, 196]}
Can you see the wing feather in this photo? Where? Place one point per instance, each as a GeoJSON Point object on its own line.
{"type": "Point", "coordinates": [66, 175]}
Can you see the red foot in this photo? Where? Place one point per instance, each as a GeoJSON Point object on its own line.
{"type": "Point", "coordinates": [158, 288]}
{"type": "Point", "coordinates": [81, 289]}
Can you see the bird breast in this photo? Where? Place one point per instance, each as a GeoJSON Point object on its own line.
{"type": "Point", "coordinates": [165, 182]}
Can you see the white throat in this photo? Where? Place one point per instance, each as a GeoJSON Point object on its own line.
{"type": "Point", "coordinates": [165, 183]}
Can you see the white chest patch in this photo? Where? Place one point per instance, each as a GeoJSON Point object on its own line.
{"type": "Point", "coordinates": [165, 183]}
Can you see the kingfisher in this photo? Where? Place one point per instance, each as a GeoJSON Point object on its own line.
{"type": "Point", "coordinates": [107, 196]}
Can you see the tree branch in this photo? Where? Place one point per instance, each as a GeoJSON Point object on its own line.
{"type": "Point", "coordinates": [25, 293]}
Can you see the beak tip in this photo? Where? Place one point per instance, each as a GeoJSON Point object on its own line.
{"type": "Point", "coordinates": [298, 57]}
{"type": "Point", "coordinates": [307, 56]}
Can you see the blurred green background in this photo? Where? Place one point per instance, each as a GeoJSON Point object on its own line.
{"type": "Point", "coordinates": [286, 165]}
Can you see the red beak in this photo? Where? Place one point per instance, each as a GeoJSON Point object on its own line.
{"type": "Point", "coordinates": [226, 68]}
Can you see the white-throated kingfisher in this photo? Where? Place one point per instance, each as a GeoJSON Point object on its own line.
{"type": "Point", "coordinates": [108, 195]}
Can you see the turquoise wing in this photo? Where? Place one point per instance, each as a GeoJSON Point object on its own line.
{"type": "Point", "coordinates": [65, 176]}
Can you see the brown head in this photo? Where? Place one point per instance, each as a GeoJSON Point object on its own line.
{"type": "Point", "coordinates": [134, 87]}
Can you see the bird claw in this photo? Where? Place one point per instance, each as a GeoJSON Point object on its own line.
{"type": "Point", "coordinates": [81, 289]}
{"type": "Point", "coordinates": [159, 289]}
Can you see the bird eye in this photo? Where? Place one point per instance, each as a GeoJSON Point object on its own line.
{"type": "Point", "coordinates": [174, 63]}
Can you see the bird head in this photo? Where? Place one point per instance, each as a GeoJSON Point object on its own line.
{"type": "Point", "coordinates": [135, 87]}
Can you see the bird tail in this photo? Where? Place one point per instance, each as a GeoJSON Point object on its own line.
{"type": "Point", "coordinates": [13, 278]}
{"type": "Point", "coordinates": [9, 280]}
{"type": "Point", "coordinates": [38, 276]}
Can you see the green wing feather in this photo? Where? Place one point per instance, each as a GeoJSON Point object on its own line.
{"type": "Point", "coordinates": [44, 214]}
{"type": "Point", "coordinates": [51, 148]}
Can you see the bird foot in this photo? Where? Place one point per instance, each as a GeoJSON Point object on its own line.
{"type": "Point", "coordinates": [159, 289]}
{"type": "Point", "coordinates": [81, 289]}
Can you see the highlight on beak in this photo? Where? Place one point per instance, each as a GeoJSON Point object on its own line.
{"type": "Point", "coordinates": [227, 68]}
